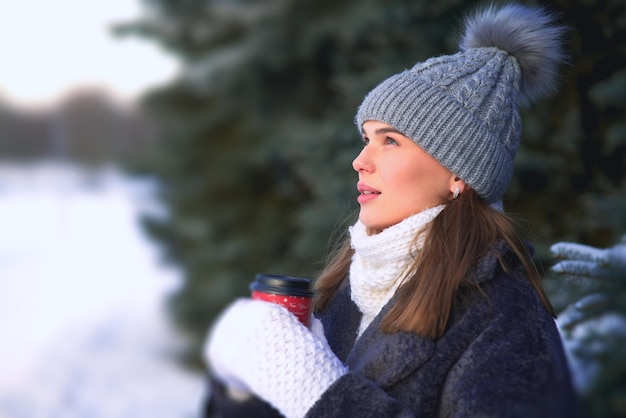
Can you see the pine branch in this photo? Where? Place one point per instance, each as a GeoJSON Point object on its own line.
{"type": "Point", "coordinates": [607, 266]}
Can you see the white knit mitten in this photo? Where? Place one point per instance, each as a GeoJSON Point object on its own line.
{"type": "Point", "coordinates": [262, 347]}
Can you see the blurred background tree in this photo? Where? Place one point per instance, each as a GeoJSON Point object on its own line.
{"type": "Point", "coordinates": [255, 161]}
{"type": "Point", "coordinates": [87, 126]}
{"type": "Point", "coordinates": [257, 139]}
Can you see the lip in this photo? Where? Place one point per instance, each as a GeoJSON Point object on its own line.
{"type": "Point", "coordinates": [366, 193]}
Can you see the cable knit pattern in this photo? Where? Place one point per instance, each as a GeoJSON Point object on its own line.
{"type": "Point", "coordinates": [261, 347]}
{"type": "Point", "coordinates": [379, 261]}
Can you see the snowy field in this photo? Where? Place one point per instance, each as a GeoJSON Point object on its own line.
{"type": "Point", "coordinates": [84, 332]}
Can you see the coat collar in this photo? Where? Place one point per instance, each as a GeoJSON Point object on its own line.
{"type": "Point", "coordinates": [386, 358]}
{"type": "Point", "coordinates": [382, 358]}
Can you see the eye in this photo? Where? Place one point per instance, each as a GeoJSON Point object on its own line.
{"type": "Point", "coordinates": [365, 140]}
{"type": "Point", "coordinates": [390, 141]}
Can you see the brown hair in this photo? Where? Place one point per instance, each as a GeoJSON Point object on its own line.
{"type": "Point", "coordinates": [457, 238]}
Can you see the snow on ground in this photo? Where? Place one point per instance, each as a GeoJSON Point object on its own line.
{"type": "Point", "coordinates": [84, 332]}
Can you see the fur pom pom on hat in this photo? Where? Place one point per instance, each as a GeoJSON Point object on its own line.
{"type": "Point", "coordinates": [464, 109]}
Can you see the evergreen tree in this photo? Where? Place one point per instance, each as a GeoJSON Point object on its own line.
{"type": "Point", "coordinates": [594, 327]}
{"type": "Point", "coordinates": [258, 139]}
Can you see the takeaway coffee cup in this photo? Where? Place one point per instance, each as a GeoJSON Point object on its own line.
{"type": "Point", "coordinates": [294, 293]}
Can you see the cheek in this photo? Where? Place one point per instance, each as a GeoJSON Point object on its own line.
{"type": "Point", "coordinates": [408, 175]}
{"type": "Point", "coordinates": [422, 182]}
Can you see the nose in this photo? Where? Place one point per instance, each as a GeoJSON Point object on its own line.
{"type": "Point", "coordinates": [362, 162]}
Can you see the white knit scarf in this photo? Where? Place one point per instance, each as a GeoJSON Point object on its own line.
{"type": "Point", "coordinates": [380, 260]}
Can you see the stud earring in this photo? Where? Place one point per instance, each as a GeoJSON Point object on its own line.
{"type": "Point", "coordinates": [457, 192]}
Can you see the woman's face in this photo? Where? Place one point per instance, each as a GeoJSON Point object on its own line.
{"type": "Point", "coordinates": [397, 178]}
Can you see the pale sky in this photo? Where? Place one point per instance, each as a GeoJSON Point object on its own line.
{"type": "Point", "coordinates": [48, 47]}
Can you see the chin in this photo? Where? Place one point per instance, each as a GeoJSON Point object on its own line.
{"type": "Point", "coordinates": [373, 227]}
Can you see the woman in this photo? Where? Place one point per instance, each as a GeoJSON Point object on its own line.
{"type": "Point", "coordinates": [433, 306]}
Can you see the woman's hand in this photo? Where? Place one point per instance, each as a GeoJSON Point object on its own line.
{"type": "Point", "coordinates": [261, 347]}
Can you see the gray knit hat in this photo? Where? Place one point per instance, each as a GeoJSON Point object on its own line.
{"type": "Point", "coordinates": [463, 109]}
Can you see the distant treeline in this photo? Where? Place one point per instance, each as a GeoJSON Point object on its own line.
{"type": "Point", "coordinates": [88, 127]}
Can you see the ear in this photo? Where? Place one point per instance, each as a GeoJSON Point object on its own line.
{"type": "Point", "coordinates": [457, 186]}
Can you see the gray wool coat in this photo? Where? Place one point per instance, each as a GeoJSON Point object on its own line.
{"type": "Point", "coordinates": [501, 356]}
